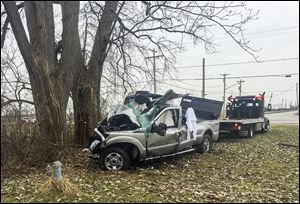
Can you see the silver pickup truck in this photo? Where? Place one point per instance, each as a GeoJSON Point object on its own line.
{"type": "Point", "coordinates": [159, 131]}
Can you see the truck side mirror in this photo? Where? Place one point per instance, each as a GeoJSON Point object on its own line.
{"type": "Point", "coordinates": [269, 107]}
{"type": "Point", "coordinates": [160, 129]}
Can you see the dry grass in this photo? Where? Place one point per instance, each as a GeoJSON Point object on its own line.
{"type": "Point", "coordinates": [60, 186]}
{"type": "Point", "coordinates": [260, 169]}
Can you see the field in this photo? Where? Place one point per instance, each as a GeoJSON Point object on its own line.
{"type": "Point", "coordinates": [262, 169]}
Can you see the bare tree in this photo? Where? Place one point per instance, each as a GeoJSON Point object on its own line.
{"type": "Point", "coordinates": [50, 80]}
{"type": "Point", "coordinates": [116, 39]}
{"type": "Point", "coordinates": [86, 87]}
{"type": "Point", "coordinates": [143, 25]}
{"type": "Point", "coordinates": [15, 87]}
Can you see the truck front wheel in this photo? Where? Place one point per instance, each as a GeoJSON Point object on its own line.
{"type": "Point", "coordinates": [205, 146]}
{"type": "Point", "coordinates": [265, 127]}
{"type": "Point", "coordinates": [114, 158]}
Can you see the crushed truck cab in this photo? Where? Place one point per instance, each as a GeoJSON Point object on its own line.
{"type": "Point", "coordinates": [148, 126]}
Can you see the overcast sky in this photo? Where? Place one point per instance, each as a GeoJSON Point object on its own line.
{"type": "Point", "coordinates": [276, 32]}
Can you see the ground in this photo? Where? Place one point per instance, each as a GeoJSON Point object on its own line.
{"type": "Point", "coordinates": [262, 169]}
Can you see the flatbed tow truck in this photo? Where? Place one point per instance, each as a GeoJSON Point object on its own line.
{"type": "Point", "coordinates": [245, 116]}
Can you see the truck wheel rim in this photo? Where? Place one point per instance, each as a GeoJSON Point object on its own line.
{"type": "Point", "coordinates": [206, 145]}
{"type": "Point", "coordinates": [114, 161]}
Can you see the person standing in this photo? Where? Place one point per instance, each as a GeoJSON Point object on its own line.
{"type": "Point", "coordinates": [191, 121]}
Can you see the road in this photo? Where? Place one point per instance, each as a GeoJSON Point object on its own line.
{"type": "Point", "coordinates": [291, 117]}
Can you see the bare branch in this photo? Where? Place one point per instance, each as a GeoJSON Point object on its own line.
{"type": "Point", "coordinates": [4, 30]}
{"type": "Point", "coordinates": [9, 101]}
{"type": "Point", "coordinates": [20, 35]}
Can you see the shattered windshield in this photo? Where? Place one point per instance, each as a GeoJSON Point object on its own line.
{"type": "Point", "coordinates": [121, 109]}
{"type": "Point", "coordinates": [144, 115]}
{"type": "Point", "coordinates": [138, 112]}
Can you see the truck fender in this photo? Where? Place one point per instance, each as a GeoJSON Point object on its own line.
{"type": "Point", "coordinates": [130, 140]}
{"type": "Point", "coordinates": [214, 135]}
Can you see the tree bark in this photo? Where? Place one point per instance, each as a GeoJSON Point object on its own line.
{"type": "Point", "coordinates": [86, 89]}
{"type": "Point", "coordinates": [51, 81]}
{"type": "Point", "coordinates": [85, 109]}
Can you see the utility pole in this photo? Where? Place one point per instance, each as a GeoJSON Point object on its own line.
{"type": "Point", "coordinates": [285, 104]}
{"type": "Point", "coordinates": [240, 87]}
{"type": "Point", "coordinates": [270, 105]}
{"type": "Point", "coordinates": [154, 66]}
{"type": "Point", "coordinates": [297, 97]}
{"type": "Point", "coordinates": [224, 102]}
{"type": "Point", "coordinates": [203, 78]}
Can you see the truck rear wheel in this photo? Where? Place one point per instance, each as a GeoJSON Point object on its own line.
{"type": "Point", "coordinates": [250, 132]}
{"type": "Point", "coordinates": [205, 146]}
{"type": "Point", "coordinates": [247, 132]}
{"type": "Point", "coordinates": [114, 158]}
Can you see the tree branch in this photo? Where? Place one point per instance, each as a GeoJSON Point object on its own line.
{"type": "Point", "coordinates": [4, 30]}
{"type": "Point", "coordinates": [20, 35]}
{"type": "Point", "coordinates": [9, 101]}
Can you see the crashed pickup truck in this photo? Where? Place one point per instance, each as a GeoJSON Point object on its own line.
{"type": "Point", "coordinates": [149, 126]}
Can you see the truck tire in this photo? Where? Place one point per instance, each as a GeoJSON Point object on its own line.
{"type": "Point", "coordinates": [205, 146]}
{"type": "Point", "coordinates": [246, 132]}
{"type": "Point", "coordinates": [250, 132]}
{"type": "Point", "coordinates": [265, 127]}
{"type": "Point", "coordinates": [114, 158]}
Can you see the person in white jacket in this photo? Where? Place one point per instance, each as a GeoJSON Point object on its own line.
{"type": "Point", "coordinates": [191, 121]}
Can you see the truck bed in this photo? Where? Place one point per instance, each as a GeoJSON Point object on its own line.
{"type": "Point", "coordinates": [227, 125]}
{"type": "Point", "coordinates": [243, 121]}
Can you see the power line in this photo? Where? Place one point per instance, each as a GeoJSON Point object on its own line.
{"type": "Point", "coordinates": [236, 63]}
{"type": "Point", "coordinates": [284, 91]}
{"type": "Point", "coordinates": [180, 87]}
{"type": "Point", "coordinates": [231, 86]}
{"type": "Point", "coordinates": [272, 33]}
{"type": "Point", "coordinates": [280, 91]}
{"type": "Point", "coordinates": [275, 30]}
{"type": "Point", "coordinates": [236, 77]}
{"type": "Point", "coordinates": [199, 86]}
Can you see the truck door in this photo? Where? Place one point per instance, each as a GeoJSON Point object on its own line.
{"type": "Point", "coordinates": [160, 145]}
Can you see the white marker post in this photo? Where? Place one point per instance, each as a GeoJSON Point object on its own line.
{"type": "Point", "coordinates": [57, 170]}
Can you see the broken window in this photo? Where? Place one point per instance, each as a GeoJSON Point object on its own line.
{"type": "Point", "coordinates": [169, 117]}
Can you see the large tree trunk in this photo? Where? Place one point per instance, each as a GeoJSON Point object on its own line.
{"type": "Point", "coordinates": [51, 81]}
{"type": "Point", "coordinates": [86, 88]}
{"type": "Point", "coordinates": [51, 118]}
{"type": "Point", "coordinates": [85, 110]}
{"type": "Point", "coordinates": [50, 108]}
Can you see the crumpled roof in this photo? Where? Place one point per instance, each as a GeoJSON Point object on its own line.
{"type": "Point", "coordinates": [141, 117]}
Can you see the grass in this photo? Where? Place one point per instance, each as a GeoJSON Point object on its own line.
{"type": "Point", "coordinates": [238, 170]}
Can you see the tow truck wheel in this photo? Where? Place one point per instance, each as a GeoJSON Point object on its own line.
{"type": "Point", "coordinates": [114, 158]}
{"type": "Point", "coordinates": [205, 146]}
{"type": "Point", "coordinates": [265, 127]}
{"type": "Point", "coordinates": [250, 132]}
